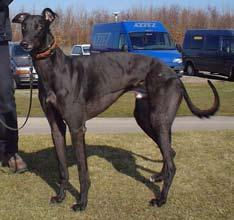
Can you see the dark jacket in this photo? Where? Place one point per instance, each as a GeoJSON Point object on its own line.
{"type": "Point", "coordinates": [5, 25]}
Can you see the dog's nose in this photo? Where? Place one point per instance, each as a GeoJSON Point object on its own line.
{"type": "Point", "coordinates": [24, 44]}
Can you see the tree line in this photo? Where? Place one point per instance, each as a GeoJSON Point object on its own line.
{"type": "Point", "coordinates": [74, 25]}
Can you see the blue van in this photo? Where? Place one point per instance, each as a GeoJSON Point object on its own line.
{"type": "Point", "coordinates": [149, 38]}
{"type": "Point", "coordinates": [210, 51]}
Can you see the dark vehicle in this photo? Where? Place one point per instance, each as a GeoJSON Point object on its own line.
{"type": "Point", "coordinates": [20, 66]}
{"type": "Point", "coordinates": [209, 50]}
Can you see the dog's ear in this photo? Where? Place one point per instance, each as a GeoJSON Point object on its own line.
{"type": "Point", "coordinates": [49, 15]}
{"type": "Point", "coordinates": [19, 18]}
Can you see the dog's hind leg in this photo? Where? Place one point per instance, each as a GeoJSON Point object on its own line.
{"type": "Point", "coordinates": [142, 116]}
{"type": "Point", "coordinates": [164, 99]}
{"type": "Point", "coordinates": [169, 168]}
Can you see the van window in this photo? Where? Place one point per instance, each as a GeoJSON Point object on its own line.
{"type": "Point", "coordinates": [151, 41]}
{"type": "Point", "coordinates": [122, 41]}
{"type": "Point", "coordinates": [212, 43]}
{"type": "Point", "coordinates": [101, 40]}
{"type": "Point", "coordinates": [197, 42]}
{"type": "Point", "coordinates": [106, 40]}
{"type": "Point", "coordinates": [86, 49]}
{"type": "Point", "coordinates": [228, 45]}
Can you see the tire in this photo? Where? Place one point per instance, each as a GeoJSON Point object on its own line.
{"type": "Point", "coordinates": [190, 70]}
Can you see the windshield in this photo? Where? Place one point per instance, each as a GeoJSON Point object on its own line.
{"type": "Point", "coordinates": [18, 51]}
{"type": "Point", "coordinates": [77, 50]}
{"type": "Point", "coordinates": [228, 45]}
{"type": "Point", "coordinates": [151, 41]}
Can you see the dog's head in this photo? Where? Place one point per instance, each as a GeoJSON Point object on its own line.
{"type": "Point", "coordinates": [35, 29]}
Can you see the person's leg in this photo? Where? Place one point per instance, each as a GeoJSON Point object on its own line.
{"type": "Point", "coordinates": [8, 138]}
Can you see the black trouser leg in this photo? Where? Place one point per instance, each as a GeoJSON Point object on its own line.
{"type": "Point", "coordinates": [8, 138]}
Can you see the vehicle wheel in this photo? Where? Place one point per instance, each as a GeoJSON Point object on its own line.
{"type": "Point", "coordinates": [191, 70]}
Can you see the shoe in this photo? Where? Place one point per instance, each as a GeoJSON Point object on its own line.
{"type": "Point", "coordinates": [16, 164]}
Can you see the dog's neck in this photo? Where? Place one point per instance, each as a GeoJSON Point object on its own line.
{"type": "Point", "coordinates": [45, 65]}
{"type": "Point", "coordinates": [47, 49]}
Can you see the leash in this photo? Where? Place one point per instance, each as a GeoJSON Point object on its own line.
{"type": "Point", "coordinates": [30, 103]}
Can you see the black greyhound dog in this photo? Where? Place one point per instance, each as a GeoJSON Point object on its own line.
{"type": "Point", "coordinates": [73, 90]}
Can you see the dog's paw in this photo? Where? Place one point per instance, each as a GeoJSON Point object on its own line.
{"type": "Point", "coordinates": [79, 207]}
{"type": "Point", "coordinates": [157, 202]}
{"type": "Point", "coordinates": [56, 199]}
{"type": "Point", "coordinates": [156, 178]}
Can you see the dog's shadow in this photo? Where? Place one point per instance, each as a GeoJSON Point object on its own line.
{"type": "Point", "coordinates": [44, 164]}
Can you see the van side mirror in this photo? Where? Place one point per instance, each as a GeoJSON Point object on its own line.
{"type": "Point", "coordinates": [124, 48]}
{"type": "Point", "coordinates": [179, 48]}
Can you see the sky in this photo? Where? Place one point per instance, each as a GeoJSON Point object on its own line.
{"type": "Point", "coordinates": [116, 5]}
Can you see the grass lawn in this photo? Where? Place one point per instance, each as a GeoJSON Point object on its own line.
{"type": "Point", "coordinates": [199, 92]}
{"type": "Point", "coordinates": [120, 166]}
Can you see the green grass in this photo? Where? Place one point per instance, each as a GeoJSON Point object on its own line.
{"type": "Point", "coordinates": [119, 167]}
{"type": "Point", "coordinates": [200, 94]}
{"type": "Point", "coordinates": [22, 102]}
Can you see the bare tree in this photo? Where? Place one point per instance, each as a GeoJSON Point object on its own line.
{"type": "Point", "coordinates": [75, 24]}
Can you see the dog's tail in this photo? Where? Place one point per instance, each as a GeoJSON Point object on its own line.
{"type": "Point", "coordinates": [203, 113]}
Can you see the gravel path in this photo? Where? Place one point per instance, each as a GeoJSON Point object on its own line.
{"type": "Point", "coordinates": [128, 125]}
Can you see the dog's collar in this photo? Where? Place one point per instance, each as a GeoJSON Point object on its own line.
{"type": "Point", "coordinates": [48, 52]}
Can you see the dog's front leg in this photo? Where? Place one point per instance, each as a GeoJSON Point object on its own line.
{"type": "Point", "coordinates": [58, 131]}
{"type": "Point", "coordinates": [78, 141]}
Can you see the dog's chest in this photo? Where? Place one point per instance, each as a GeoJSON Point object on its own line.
{"type": "Point", "coordinates": [58, 99]}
